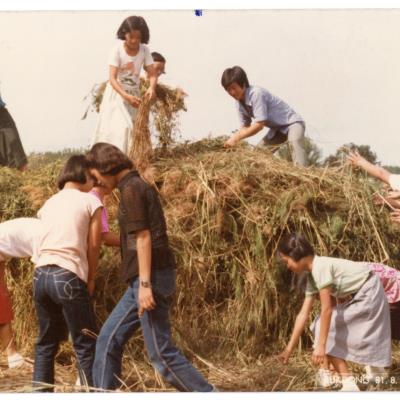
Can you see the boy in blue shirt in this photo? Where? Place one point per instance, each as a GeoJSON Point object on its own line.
{"type": "Point", "coordinates": [267, 110]}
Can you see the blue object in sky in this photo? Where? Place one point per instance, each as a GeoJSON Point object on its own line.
{"type": "Point", "coordinates": [198, 13]}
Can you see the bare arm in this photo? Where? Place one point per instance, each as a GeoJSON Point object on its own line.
{"type": "Point", "coordinates": [111, 239]}
{"type": "Point", "coordinates": [132, 100]}
{"type": "Point", "coordinates": [374, 170]}
{"type": "Point", "coordinates": [298, 329]}
{"type": "Point", "coordinates": [143, 244]}
{"type": "Point", "coordinates": [152, 75]}
{"type": "Point", "coordinates": [326, 314]}
{"type": "Point", "coordinates": [244, 133]}
{"type": "Point", "coordinates": [93, 250]}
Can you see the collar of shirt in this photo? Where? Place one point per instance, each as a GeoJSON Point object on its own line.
{"type": "Point", "coordinates": [247, 93]}
{"type": "Point", "coordinates": [126, 178]}
{"type": "Point", "coordinates": [246, 104]}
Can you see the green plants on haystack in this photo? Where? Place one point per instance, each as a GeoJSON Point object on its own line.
{"type": "Point", "coordinates": [226, 211]}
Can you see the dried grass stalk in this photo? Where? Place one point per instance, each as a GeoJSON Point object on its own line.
{"type": "Point", "coordinates": [226, 211]}
{"type": "Point", "coordinates": [141, 150]}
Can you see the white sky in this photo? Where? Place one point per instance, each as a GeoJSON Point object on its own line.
{"type": "Point", "coordinates": [338, 69]}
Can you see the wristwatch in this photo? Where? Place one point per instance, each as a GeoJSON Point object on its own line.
{"type": "Point", "coordinates": [145, 284]}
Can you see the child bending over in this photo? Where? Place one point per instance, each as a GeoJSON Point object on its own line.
{"type": "Point", "coordinates": [356, 327]}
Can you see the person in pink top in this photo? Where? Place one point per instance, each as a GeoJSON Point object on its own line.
{"type": "Point", "coordinates": [390, 279]}
{"type": "Point", "coordinates": [108, 238]}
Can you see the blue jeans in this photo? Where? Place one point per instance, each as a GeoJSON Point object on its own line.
{"type": "Point", "coordinates": [61, 297]}
{"type": "Point", "coordinates": [122, 324]}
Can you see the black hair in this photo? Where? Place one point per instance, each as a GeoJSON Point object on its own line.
{"type": "Point", "coordinates": [157, 57]}
{"type": "Point", "coordinates": [75, 170]}
{"type": "Point", "coordinates": [295, 246]}
{"type": "Point", "coordinates": [134, 23]}
{"type": "Point", "coordinates": [235, 74]}
{"type": "Point", "coordinates": [108, 159]}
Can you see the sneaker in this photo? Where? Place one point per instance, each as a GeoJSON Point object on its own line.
{"type": "Point", "coordinates": [326, 379]}
{"type": "Point", "coordinates": [349, 385]}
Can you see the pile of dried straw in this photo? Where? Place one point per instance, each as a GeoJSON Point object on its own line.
{"type": "Point", "coordinates": [226, 211]}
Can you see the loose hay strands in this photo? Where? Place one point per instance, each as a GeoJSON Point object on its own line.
{"type": "Point", "coordinates": [165, 109]}
{"type": "Point", "coordinates": [226, 211]}
{"type": "Point", "coordinates": [141, 150]}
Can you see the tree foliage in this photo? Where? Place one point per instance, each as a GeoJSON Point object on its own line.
{"type": "Point", "coordinates": [341, 153]}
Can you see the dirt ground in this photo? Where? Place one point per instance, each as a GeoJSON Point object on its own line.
{"type": "Point", "coordinates": [241, 375]}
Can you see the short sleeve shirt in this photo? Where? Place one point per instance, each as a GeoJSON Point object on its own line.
{"type": "Point", "coordinates": [345, 277]}
{"type": "Point", "coordinates": [262, 106]}
{"type": "Point", "coordinates": [140, 209]}
{"type": "Point", "coordinates": [64, 239]}
{"type": "Point", "coordinates": [394, 181]}
{"type": "Point", "coordinates": [105, 228]}
{"type": "Point", "coordinates": [129, 66]}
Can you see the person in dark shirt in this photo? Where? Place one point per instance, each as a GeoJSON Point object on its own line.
{"type": "Point", "coordinates": [148, 267]}
{"type": "Point", "coordinates": [11, 151]}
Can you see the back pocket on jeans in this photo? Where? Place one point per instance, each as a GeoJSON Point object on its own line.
{"type": "Point", "coordinates": [70, 289]}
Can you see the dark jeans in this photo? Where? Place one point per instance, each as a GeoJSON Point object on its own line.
{"type": "Point", "coordinates": [122, 324]}
{"type": "Point", "coordinates": [61, 297]}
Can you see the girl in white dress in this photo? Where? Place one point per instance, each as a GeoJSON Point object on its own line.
{"type": "Point", "coordinates": [121, 98]}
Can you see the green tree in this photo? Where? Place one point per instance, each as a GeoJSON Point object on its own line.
{"type": "Point", "coordinates": [340, 156]}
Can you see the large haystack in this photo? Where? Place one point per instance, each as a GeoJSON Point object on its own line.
{"type": "Point", "coordinates": [226, 211]}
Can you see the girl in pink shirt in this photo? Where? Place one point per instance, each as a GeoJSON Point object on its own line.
{"type": "Point", "coordinates": [108, 238]}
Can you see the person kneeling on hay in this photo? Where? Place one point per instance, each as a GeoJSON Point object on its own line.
{"type": "Point", "coordinates": [267, 110]}
{"type": "Point", "coordinates": [357, 328]}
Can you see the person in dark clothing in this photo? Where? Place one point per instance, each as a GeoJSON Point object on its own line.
{"type": "Point", "coordinates": [11, 151]}
{"type": "Point", "coordinates": [148, 267]}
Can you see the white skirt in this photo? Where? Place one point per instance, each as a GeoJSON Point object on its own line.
{"type": "Point", "coordinates": [116, 120]}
